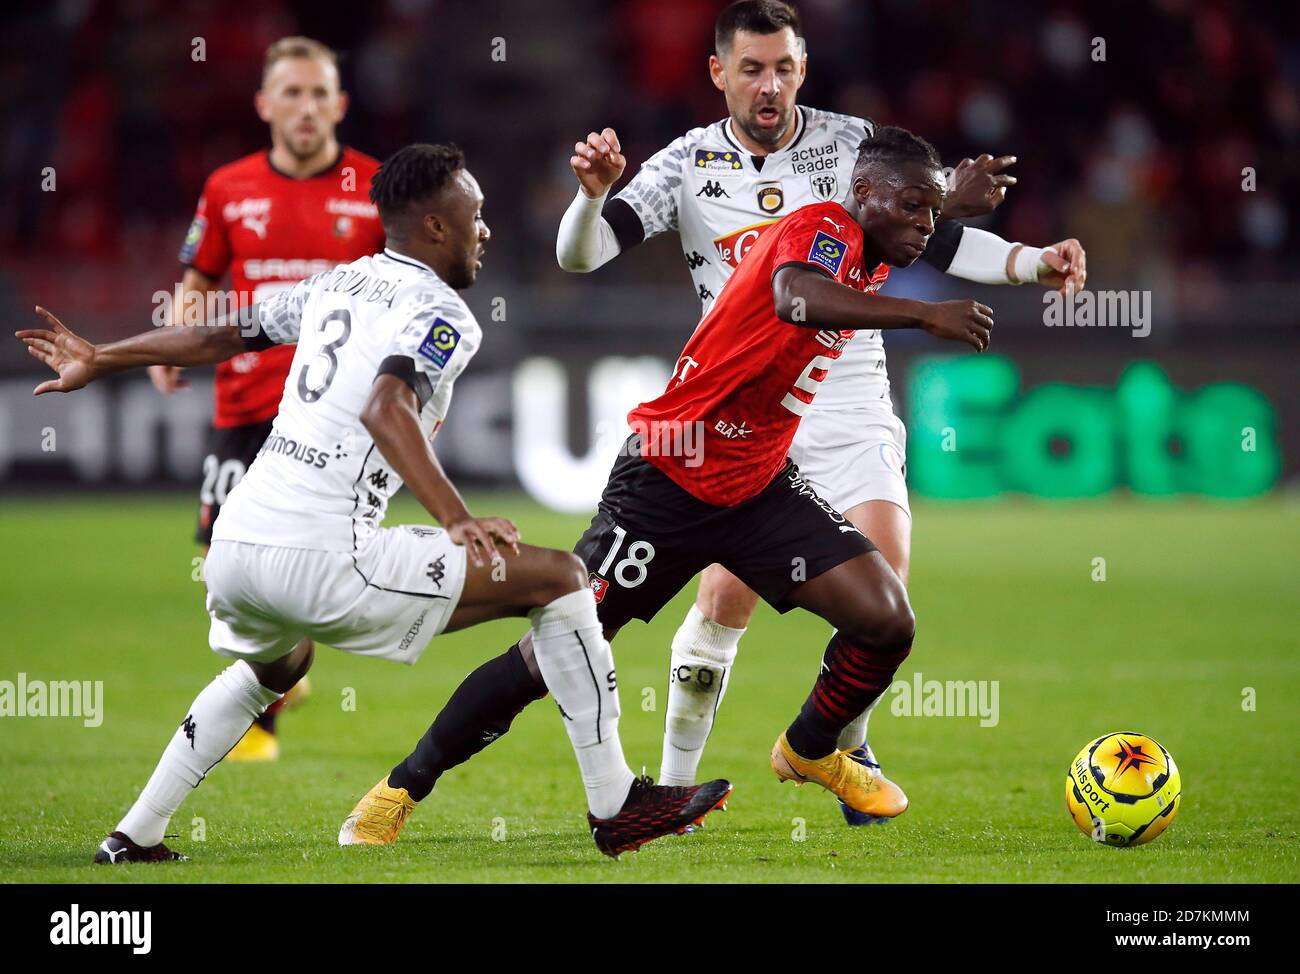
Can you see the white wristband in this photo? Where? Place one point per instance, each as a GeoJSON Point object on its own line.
{"type": "Point", "coordinates": [1029, 264]}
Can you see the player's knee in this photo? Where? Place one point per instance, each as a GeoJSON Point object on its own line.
{"type": "Point", "coordinates": [564, 572]}
{"type": "Point", "coordinates": [889, 626]}
{"type": "Point", "coordinates": [282, 674]}
{"type": "Point", "coordinates": [725, 599]}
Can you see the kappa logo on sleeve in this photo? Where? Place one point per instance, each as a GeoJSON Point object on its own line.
{"type": "Point", "coordinates": [440, 342]}
{"type": "Point", "coordinates": [826, 251]}
{"type": "Point", "coordinates": [193, 237]}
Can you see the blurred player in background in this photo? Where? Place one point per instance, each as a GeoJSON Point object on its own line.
{"type": "Point", "coordinates": [721, 187]}
{"type": "Point", "coordinates": [271, 219]}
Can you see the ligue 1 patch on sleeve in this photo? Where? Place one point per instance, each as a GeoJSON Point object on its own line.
{"type": "Point", "coordinates": [193, 237]}
{"type": "Point", "coordinates": [827, 252]}
{"type": "Point", "coordinates": [440, 342]}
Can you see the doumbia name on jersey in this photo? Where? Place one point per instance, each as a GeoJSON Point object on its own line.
{"type": "Point", "coordinates": [371, 288]}
{"type": "Point", "coordinates": [309, 455]}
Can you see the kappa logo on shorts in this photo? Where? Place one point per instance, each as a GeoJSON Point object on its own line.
{"type": "Point", "coordinates": [435, 571]}
{"type": "Point", "coordinates": [826, 251]}
{"type": "Point", "coordinates": [440, 342]}
{"type": "Point", "coordinates": [598, 587]}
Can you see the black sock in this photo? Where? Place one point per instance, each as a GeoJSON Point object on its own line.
{"type": "Point", "coordinates": [811, 736]}
{"type": "Point", "coordinates": [479, 712]}
{"type": "Point", "coordinates": [852, 675]}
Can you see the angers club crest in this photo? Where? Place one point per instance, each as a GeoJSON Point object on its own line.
{"type": "Point", "coordinates": [770, 197]}
{"type": "Point", "coordinates": [825, 186]}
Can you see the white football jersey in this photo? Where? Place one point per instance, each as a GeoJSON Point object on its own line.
{"type": "Point", "coordinates": [319, 482]}
{"type": "Point", "coordinates": [719, 199]}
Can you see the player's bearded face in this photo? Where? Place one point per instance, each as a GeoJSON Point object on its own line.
{"type": "Point", "coordinates": [762, 75]}
{"type": "Point", "coordinates": [301, 101]}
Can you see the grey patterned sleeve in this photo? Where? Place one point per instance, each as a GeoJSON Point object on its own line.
{"type": "Point", "coordinates": [433, 325]}
{"type": "Point", "coordinates": [654, 191]}
{"type": "Point", "coordinates": [280, 315]}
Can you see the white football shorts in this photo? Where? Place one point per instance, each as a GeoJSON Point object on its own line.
{"type": "Point", "coordinates": [851, 456]}
{"type": "Point", "coordinates": [388, 600]}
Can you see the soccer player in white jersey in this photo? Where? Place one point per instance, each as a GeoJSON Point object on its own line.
{"type": "Point", "coordinates": [298, 550]}
{"type": "Point", "coordinates": [719, 187]}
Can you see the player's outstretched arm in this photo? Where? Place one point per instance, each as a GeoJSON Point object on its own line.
{"type": "Point", "coordinates": [808, 298]}
{"type": "Point", "coordinates": [988, 259]}
{"type": "Point", "coordinates": [391, 416]}
{"type": "Point", "coordinates": [167, 378]}
{"type": "Point", "coordinates": [79, 362]}
{"type": "Point", "coordinates": [585, 239]}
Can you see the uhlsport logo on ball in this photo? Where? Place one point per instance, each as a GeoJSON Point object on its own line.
{"type": "Point", "coordinates": [1123, 789]}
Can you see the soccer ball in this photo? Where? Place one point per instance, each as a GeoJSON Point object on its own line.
{"type": "Point", "coordinates": [1123, 789]}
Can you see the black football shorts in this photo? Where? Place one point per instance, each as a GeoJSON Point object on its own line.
{"type": "Point", "coordinates": [231, 450]}
{"type": "Point", "coordinates": [650, 537]}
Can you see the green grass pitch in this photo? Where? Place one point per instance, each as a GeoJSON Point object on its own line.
{"type": "Point", "coordinates": [1199, 604]}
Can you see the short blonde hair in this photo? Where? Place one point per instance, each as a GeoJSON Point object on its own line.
{"type": "Point", "coordinates": [290, 47]}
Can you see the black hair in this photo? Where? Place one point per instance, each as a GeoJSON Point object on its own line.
{"type": "Point", "coordinates": [894, 146]}
{"type": "Point", "coordinates": [411, 174]}
{"type": "Point", "coordinates": [753, 17]}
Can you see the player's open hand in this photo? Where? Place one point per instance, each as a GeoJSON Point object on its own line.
{"type": "Point", "coordinates": [480, 535]}
{"type": "Point", "coordinates": [1067, 267]}
{"type": "Point", "coordinates": [961, 321]}
{"type": "Point", "coordinates": [70, 355]}
{"type": "Point", "coordinates": [167, 378]}
{"type": "Point", "coordinates": [977, 186]}
{"type": "Point", "coordinates": [598, 162]}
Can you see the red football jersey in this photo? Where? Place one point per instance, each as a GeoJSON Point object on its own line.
{"type": "Point", "coordinates": [723, 427]}
{"type": "Point", "coordinates": [269, 231]}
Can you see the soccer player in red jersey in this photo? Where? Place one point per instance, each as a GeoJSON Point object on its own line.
{"type": "Point", "coordinates": [706, 478]}
{"type": "Point", "coordinates": [270, 220]}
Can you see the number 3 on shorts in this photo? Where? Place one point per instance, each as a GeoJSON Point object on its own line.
{"type": "Point", "coordinates": [639, 556]}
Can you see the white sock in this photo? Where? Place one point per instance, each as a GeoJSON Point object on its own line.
{"type": "Point", "coordinates": [703, 652]}
{"type": "Point", "coordinates": [216, 721]}
{"type": "Point", "coordinates": [855, 734]}
{"type": "Point", "coordinates": [578, 667]}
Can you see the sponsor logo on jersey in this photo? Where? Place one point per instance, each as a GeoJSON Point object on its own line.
{"type": "Point", "coordinates": [193, 238]}
{"type": "Point", "coordinates": [826, 251]}
{"type": "Point", "coordinates": [815, 158]}
{"type": "Point", "coordinates": [440, 342]}
{"type": "Point", "coordinates": [359, 208]}
{"type": "Point", "coordinates": [825, 186]}
{"type": "Point", "coordinates": [717, 162]}
{"type": "Point", "coordinates": [285, 446]}
{"type": "Point", "coordinates": [771, 197]}
{"type": "Point", "coordinates": [342, 226]}
{"type": "Point", "coordinates": [291, 269]}
{"type": "Point", "coordinates": [712, 189]}
{"type": "Point", "coordinates": [733, 431]}
{"type": "Point", "coordinates": [736, 244]}
{"type": "Point", "coordinates": [599, 586]}
{"type": "Point", "coordinates": [251, 214]}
